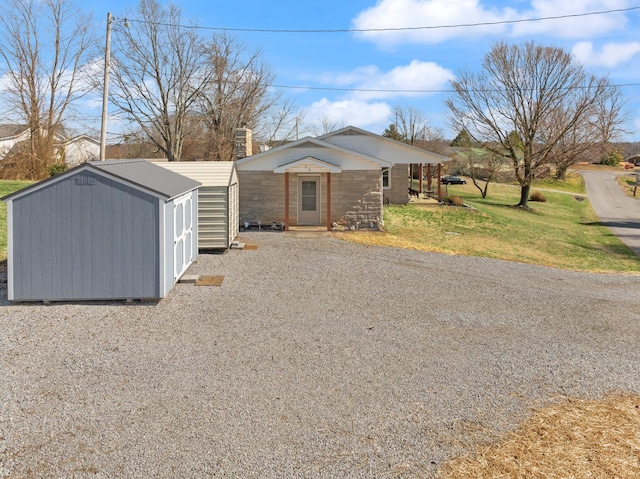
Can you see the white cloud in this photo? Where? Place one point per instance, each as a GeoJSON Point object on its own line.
{"type": "Point", "coordinates": [421, 13]}
{"type": "Point", "coordinates": [5, 82]}
{"type": "Point", "coordinates": [572, 27]}
{"type": "Point", "coordinates": [610, 55]}
{"type": "Point", "coordinates": [369, 109]}
{"type": "Point", "coordinates": [416, 76]}
{"type": "Point", "coordinates": [434, 13]}
{"type": "Point", "coordinates": [348, 112]}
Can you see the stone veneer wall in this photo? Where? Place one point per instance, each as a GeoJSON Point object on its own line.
{"type": "Point", "coordinates": [242, 143]}
{"type": "Point", "coordinates": [398, 194]}
{"type": "Point", "coordinates": [261, 196]}
{"type": "Point", "coordinates": [355, 197]}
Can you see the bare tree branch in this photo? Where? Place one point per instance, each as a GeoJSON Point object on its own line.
{"type": "Point", "coordinates": [158, 74]}
{"type": "Point", "coordinates": [531, 104]}
{"type": "Point", "coordinates": [44, 45]}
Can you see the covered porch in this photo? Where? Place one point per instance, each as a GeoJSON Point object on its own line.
{"type": "Point", "coordinates": [307, 192]}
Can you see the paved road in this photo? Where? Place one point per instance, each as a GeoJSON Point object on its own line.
{"type": "Point", "coordinates": [619, 212]}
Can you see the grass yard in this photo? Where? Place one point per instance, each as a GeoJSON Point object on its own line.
{"type": "Point", "coordinates": [563, 232]}
{"type": "Point", "coordinates": [628, 184]}
{"type": "Point", "coordinates": [7, 187]}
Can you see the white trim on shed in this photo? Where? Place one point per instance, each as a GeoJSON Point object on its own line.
{"type": "Point", "coordinates": [218, 199]}
{"type": "Point", "coordinates": [100, 231]}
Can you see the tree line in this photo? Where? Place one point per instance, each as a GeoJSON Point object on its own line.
{"type": "Point", "coordinates": [530, 107]}
{"type": "Point", "coordinates": [183, 93]}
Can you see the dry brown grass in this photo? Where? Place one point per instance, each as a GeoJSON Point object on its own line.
{"type": "Point", "coordinates": [572, 438]}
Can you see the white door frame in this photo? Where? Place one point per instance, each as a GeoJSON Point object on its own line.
{"type": "Point", "coordinates": [182, 235]}
{"type": "Point", "coordinates": [317, 218]}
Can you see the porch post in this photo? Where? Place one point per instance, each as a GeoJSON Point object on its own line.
{"type": "Point", "coordinates": [286, 201]}
{"type": "Point", "coordinates": [420, 176]}
{"type": "Point", "coordinates": [439, 182]}
{"type": "Point", "coordinates": [329, 201]}
{"type": "Point", "coordinates": [429, 178]}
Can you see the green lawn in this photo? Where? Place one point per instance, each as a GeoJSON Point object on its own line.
{"type": "Point", "coordinates": [6, 187]}
{"type": "Point", "coordinates": [563, 232]}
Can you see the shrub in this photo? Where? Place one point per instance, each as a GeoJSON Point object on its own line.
{"type": "Point", "coordinates": [454, 201]}
{"type": "Point", "coordinates": [56, 168]}
{"type": "Point", "coordinates": [537, 196]}
{"type": "Point", "coordinates": [613, 158]}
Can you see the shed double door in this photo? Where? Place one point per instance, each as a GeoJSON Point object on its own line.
{"type": "Point", "coordinates": [308, 200]}
{"type": "Point", "coordinates": [182, 234]}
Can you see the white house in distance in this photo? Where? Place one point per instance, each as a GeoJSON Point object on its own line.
{"type": "Point", "coordinates": [72, 151]}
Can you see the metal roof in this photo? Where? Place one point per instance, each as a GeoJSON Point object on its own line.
{"type": "Point", "coordinates": [208, 173]}
{"type": "Point", "coordinates": [141, 173]}
{"type": "Point", "coordinates": [11, 130]}
{"type": "Point", "coordinates": [148, 176]}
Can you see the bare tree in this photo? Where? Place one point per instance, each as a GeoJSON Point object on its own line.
{"type": "Point", "coordinates": [326, 125]}
{"type": "Point", "coordinates": [158, 74]}
{"type": "Point", "coordinates": [483, 167]}
{"type": "Point", "coordinates": [591, 141]}
{"type": "Point", "coordinates": [238, 94]}
{"type": "Point", "coordinates": [411, 124]}
{"type": "Point", "coordinates": [44, 45]}
{"type": "Point", "coordinates": [526, 104]}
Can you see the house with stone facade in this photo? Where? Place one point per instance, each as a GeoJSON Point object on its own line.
{"type": "Point", "coordinates": [343, 177]}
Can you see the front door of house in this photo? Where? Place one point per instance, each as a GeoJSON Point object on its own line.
{"type": "Point", "coordinates": [308, 200]}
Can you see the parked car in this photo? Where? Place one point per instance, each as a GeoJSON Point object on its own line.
{"type": "Point", "coordinates": [452, 180]}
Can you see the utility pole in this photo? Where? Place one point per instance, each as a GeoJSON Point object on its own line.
{"type": "Point", "coordinates": [105, 96]}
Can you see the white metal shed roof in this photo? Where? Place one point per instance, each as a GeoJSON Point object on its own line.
{"type": "Point", "coordinates": [208, 173]}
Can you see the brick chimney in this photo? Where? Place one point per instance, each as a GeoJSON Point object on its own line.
{"type": "Point", "coordinates": [242, 139]}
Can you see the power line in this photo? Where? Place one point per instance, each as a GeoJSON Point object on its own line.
{"type": "Point", "coordinates": [398, 29]}
{"type": "Point", "coordinates": [376, 90]}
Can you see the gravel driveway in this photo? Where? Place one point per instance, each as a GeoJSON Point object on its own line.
{"type": "Point", "coordinates": [315, 358]}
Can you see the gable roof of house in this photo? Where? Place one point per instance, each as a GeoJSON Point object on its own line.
{"type": "Point", "coordinates": [393, 147]}
{"type": "Point", "coordinates": [150, 177]}
{"type": "Point", "coordinates": [309, 164]}
{"type": "Point", "coordinates": [317, 143]}
{"type": "Point", "coordinates": [11, 130]}
{"type": "Point", "coordinates": [83, 137]}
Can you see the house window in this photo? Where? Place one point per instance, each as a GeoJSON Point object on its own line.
{"type": "Point", "coordinates": [386, 178]}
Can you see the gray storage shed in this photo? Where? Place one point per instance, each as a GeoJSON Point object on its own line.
{"type": "Point", "coordinates": [218, 198]}
{"type": "Point", "coordinates": [121, 229]}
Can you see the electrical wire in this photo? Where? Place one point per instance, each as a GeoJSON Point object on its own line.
{"type": "Point", "coordinates": [374, 90]}
{"type": "Point", "coordinates": [389, 29]}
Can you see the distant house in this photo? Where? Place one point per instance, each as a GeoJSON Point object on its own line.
{"type": "Point", "coordinates": [79, 149]}
{"type": "Point", "coordinates": [342, 177]}
{"type": "Point", "coordinates": [634, 159]}
{"type": "Point", "coordinates": [10, 136]}
{"type": "Point", "coordinates": [72, 151]}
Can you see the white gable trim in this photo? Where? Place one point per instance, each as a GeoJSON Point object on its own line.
{"type": "Point", "coordinates": [308, 164]}
{"type": "Point", "coordinates": [78, 169]}
{"type": "Point", "coordinates": [434, 158]}
{"type": "Point", "coordinates": [312, 141]}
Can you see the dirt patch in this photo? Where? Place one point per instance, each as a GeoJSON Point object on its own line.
{"type": "Point", "coordinates": [210, 281]}
{"type": "Point", "coordinates": [581, 438]}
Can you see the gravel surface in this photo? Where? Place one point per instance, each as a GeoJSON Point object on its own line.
{"type": "Point", "coordinates": [315, 358]}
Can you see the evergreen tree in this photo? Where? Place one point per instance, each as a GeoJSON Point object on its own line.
{"type": "Point", "coordinates": [463, 139]}
{"type": "Point", "coordinates": [393, 133]}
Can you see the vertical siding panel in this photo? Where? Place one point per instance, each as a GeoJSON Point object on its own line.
{"type": "Point", "coordinates": [86, 241]}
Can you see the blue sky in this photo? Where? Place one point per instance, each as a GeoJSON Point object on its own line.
{"type": "Point", "coordinates": [425, 59]}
